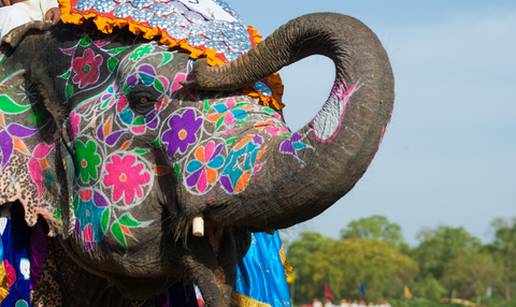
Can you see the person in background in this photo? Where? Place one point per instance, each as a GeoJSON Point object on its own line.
{"type": "Point", "coordinates": [14, 13]}
{"type": "Point", "coordinates": [317, 303]}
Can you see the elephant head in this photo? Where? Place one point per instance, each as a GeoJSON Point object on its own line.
{"type": "Point", "coordinates": [126, 141]}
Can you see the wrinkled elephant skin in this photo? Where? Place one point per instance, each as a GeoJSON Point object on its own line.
{"type": "Point", "coordinates": [119, 155]}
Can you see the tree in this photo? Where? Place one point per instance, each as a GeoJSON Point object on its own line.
{"type": "Point", "coordinates": [429, 288]}
{"type": "Point", "coordinates": [375, 227]}
{"type": "Point", "coordinates": [439, 246]}
{"type": "Point", "coordinates": [504, 247]}
{"type": "Point", "coordinates": [471, 274]}
{"type": "Point", "coordinates": [344, 264]}
{"type": "Point", "coordinates": [302, 254]}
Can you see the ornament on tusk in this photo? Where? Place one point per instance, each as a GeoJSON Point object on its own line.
{"type": "Point", "coordinates": [198, 227]}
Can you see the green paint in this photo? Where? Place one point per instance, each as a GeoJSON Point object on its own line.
{"type": "Point", "coordinates": [118, 233]}
{"type": "Point", "coordinates": [167, 57]}
{"type": "Point", "coordinates": [66, 75]}
{"type": "Point", "coordinates": [69, 90]}
{"type": "Point", "coordinates": [156, 143]}
{"type": "Point", "coordinates": [116, 51]}
{"type": "Point", "coordinates": [141, 52]}
{"type": "Point", "coordinates": [106, 217]}
{"type": "Point", "coordinates": [158, 85]}
{"type": "Point", "coordinates": [9, 106]}
{"type": "Point", "coordinates": [129, 221]}
{"type": "Point", "coordinates": [142, 151]}
{"type": "Point", "coordinates": [58, 215]}
{"type": "Point", "coordinates": [177, 170]}
{"type": "Point", "coordinates": [85, 41]}
{"type": "Point", "coordinates": [232, 140]}
{"type": "Point", "coordinates": [112, 64]}
{"type": "Point", "coordinates": [139, 121]}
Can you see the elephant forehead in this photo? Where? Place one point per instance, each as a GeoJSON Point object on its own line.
{"type": "Point", "coordinates": [151, 59]}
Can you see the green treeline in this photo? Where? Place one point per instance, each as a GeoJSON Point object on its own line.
{"type": "Point", "coordinates": [448, 263]}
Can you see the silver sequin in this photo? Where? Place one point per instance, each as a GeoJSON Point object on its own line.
{"type": "Point", "coordinates": [180, 22]}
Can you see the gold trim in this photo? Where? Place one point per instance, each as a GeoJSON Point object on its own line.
{"type": "Point", "coordinates": [245, 301]}
{"type": "Point", "coordinates": [289, 269]}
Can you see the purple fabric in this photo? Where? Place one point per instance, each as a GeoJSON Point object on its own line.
{"type": "Point", "coordinates": [38, 252]}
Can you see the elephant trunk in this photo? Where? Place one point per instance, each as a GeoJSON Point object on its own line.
{"type": "Point", "coordinates": [303, 175]}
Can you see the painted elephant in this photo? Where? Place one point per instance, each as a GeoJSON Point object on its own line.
{"type": "Point", "coordinates": [119, 143]}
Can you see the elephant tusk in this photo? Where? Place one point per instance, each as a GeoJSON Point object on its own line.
{"type": "Point", "coordinates": [198, 227]}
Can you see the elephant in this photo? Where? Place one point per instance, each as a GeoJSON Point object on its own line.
{"type": "Point", "coordinates": [119, 143]}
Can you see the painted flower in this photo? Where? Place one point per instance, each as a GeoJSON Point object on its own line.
{"type": "Point", "coordinates": [74, 122]}
{"type": "Point", "coordinates": [127, 177]}
{"type": "Point", "coordinates": [182, 132]}
{"type": "Point", "coordinates": [109, 97]}
{"type": "Point", "coordinates": [38, 164]}
{"type": "Point", "coordinates": [204, 169]}
{"type": "Point", "coordinates": [241, 164]}
{"type": "Point", "coordinates": [86, 68]}
{"type": "Point", "coordinates": [141, 51]}
{"type": "Point", "coordinates": [293, 145]}
{"type": "Point", "coordinates": [229, 111]}
{"type": "Point", "coordinates": [89, 206]}
{"type": "Point", "coordinates": [87, 160]}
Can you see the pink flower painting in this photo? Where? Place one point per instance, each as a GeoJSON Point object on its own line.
{"type": "Point", "coordinates": [126, 177]}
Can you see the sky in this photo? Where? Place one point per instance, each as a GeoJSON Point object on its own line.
{"type": "Point", "coordinates": [449, 155]}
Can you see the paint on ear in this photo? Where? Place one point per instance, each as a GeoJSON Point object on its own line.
{"type": "Point", "coordinates": [27, 162]}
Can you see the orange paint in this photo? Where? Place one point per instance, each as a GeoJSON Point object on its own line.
{"type": "Point", "coordinates": [199, 154]}
{"type": "Point", "coordinates": [107, 127]}
{"type": "Point", "coordinates": [243, 181]}
{"type": "Point", "coordinates": [43, 163]}
{"type": "Point", "coordinates": [212, 175]}
{"type": "Point", "coordinates": [182, 134]}
{"type": "Point", "coordinates": [125, 145]}
{"type": "Point", "coordinates": [161, 170]}
{"type": "Point", "coordinates": [19, 146]}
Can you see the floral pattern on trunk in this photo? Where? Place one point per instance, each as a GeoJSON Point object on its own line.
{"type": "Point", "coordinates": [89, 205]}
{"type": "Point", "coordinates": [294, 145]}
{"type": "Point", "coordinates": [204, 169]}
{"type": "Point", "coordinates": [241, 163]}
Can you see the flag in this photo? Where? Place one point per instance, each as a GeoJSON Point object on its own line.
{"type": "Point", "coordinates": [362, 289]}
{"type": "Point", "coordinates": [327, 292]}
{"type": "Point", "coordinates": [407, 294]}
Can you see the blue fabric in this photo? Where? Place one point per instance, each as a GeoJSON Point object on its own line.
{"type": "Point", "coordinates": [260, 275]}
{"type": "Point", "coordinates": [15, 241]}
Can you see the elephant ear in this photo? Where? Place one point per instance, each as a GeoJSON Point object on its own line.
{"type": "Point", "coordinates": [31, 170]}
{"type": "Point", "coordinates": [14, 37]}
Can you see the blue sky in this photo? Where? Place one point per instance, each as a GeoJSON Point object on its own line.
{"type": "Point", "coordinates": [449, 156]}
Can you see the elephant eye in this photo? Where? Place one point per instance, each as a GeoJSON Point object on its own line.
{"type": "Point", "coordinates": [142, 99]}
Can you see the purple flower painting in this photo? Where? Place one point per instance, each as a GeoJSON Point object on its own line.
{"type": "Point", "coordinates": [182, 132]}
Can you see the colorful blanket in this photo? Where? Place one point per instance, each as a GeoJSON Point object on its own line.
{"type": "Point", "coordinates": [204, 28]}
